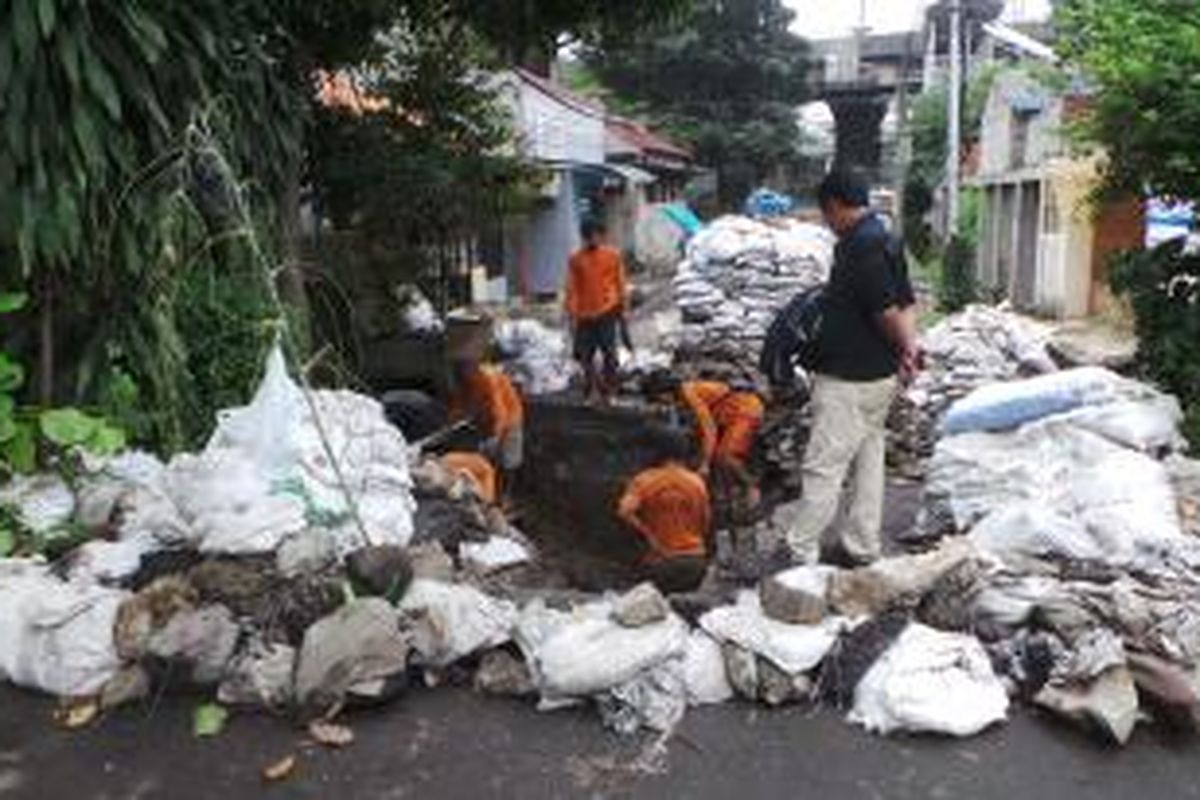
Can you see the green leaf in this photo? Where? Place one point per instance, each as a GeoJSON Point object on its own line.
{"type": "Point", "coordinates": [67, 427]}
{"type": "Point", "coordinates": [106, 441]}
{"type": "Point", "coordinates": [24, 29]}
{"type": "Point", "coordinates": [46, 17]}
{"type": "Point", "coordinates": [12, 374]}
{"type": "Point", "coordinates": [8, 542]}
{"type": "Point", "coordinates": [20, 452]}
{"type": "Point", "coordinates": [209, 720]}
{"type": "Point", "coordinates": [12, 301]}
{"type": "Point", "coordinates": [101, 83]}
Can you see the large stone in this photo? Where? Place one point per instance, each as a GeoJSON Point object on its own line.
{"type": "Point", "coordinates": [383, 571]}
{"type": "Point", "coordinates": [203, 639]}
{"type": "Point", "coordinates": [357, 649]}
{"type": "Point", "coordinates": [902, 580]}
{"type": "Point", "coordinates": [1108, 705]}
{"type": "Point", "coordinates": [640, 606]}
{"type": "Point", "coordinates": [796, 596]}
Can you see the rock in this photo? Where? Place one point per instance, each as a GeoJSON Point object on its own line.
{"type": "Point", "coordinates": [430, 561]}
{"type": "Point", "coordinates": [776, 687]}
{"type": "Point", "coordinates": [384, 571]}
{"type": "Point", "coordinates": [1170, 691]}
{"type": "Point", "coordinates": [502, 673]}
{"type": "Point", "coordinates": [260, 676]}
{"type": "Point", "coordinates": [796, 596]}
{"type": "Point", "coordinates": [640, 606]}
{"type": "Point", "coordinates": [902, 580]}
{"type": "Point", "coordinates": [741, 667]}
{"type": "Point", "coordinates": [149, 610]}
{"type": "Point", "coordinates": [1109, 704]}
{"type": "Point", "coordinates": [306, 553]}
{"type": "Point", "coordinates": [354, 650]}
{"type": "Point", "coordinates": [202, 639]}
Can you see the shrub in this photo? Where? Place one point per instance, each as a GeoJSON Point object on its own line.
{"type": "Point", "coordinates": [957, 289]}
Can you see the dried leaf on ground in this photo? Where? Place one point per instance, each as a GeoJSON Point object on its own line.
{"type": "Point", "coordinates": [278, 770]}
{"type": "Point", "coordinates": [331, 734]}
{"type": "Point", "coordinates": [78, 714]}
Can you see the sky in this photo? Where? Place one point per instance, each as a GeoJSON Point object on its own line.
{"type": "Point", "coordinates": [819, 19]}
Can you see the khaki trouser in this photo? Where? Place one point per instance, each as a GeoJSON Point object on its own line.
{"type": "Point", "coordinates": [848, 436]}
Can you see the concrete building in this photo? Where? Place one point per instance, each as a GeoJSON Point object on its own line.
{"type": "Point", "coordinates": [1044, 246]}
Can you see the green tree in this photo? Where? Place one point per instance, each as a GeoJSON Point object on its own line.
{"type": "Point", "coordinates": [1142, 58]}
{"type": "Point", "coordinates": [728, 79]}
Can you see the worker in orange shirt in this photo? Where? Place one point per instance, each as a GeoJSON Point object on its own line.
{"type": "Point", "coordinates": [478, 471]}
{"type": "Point", "coordinates": [668, 506]}
{"type": "Point", "coordinates": [595, 305]}
{"type": "Point", "coordinates": [727, 419]}
{"type": "Point", "coordinates": [486, 396]}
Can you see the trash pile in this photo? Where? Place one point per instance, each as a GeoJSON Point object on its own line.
{"type": "Point", "coordinates": [976, 347]}
{"type": "Point", "coordinates": [737, 274]}
{"type": "Point", "coordinates": [536, 357]}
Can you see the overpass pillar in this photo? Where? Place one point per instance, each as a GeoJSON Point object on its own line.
{"type": "Point", "coordinates": [858, 124]}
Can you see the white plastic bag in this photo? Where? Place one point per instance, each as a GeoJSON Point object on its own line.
{"type": "Point", "coordinates": [792, 648]}
{"type": "Point", "coordinates": [930, 681]}
{"type": "Point", "coordinates": [451, 621]}
{"type": "Point", "coordinates": [704, 671]}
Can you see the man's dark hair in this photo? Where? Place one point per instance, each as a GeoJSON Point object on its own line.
{"type": "Point", "coordinates": [843, 186]}
{"type": "Point", "coordinates": [590, 227]}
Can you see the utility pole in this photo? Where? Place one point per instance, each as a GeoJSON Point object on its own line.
{"type": "Point", "coordinates": [954, 108]}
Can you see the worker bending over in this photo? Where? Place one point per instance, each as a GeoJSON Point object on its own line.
{"type": "Point", "coordinates": [727, 422]}
{"type": "Point", "coordinates": [595, 305]}
{"type": "Point", "coordinates": [476, 469]}
{"type": "Point", "coordinates": [668, 506]}
{"type": "Point", "coordinates": [486, 396]}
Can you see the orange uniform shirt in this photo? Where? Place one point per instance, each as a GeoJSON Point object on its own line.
{"type": "Point", "coordinates": [477, 469]}
{"type": "Point", "coordinates": [671, 504]}
{"type": "Point", "coordinates": [596, 283]}
{"type": "Point", "coordinates": [726, 421]}
{"type": "Point", "coordinates": [491, 400]}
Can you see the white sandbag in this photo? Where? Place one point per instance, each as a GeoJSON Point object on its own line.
{"type": "Point", "coordinates": [1033, 530]}
{"type": "Point", "coordinates": [451, 621]}
{"type": "Point", "coordinates": [792, 648]}
{"type": "Point", "coordinates": [930, 681]}
{"type": "Point", "coordinates": [585, 652]}
{"type": "Point", "coordinates": [656, 699]}
{"type": "Point", "coordinates": [56, 636]}
{"type": "Point", "coordinates": [1150, 425]}
{"type": "Point", "coordinates": [111, 562]}
{"type": "Point", "coordinates": [42, 502]}
{"type": "Point", "coordinates": [1122, 498]}
{"type": "Point", "coordinates": [537, 358]}
{"type": "Point", "coordinates": [704, 671]}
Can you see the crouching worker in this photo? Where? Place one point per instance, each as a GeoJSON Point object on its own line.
{"type": "Point", "coordinates": [476, 469]}
{"type": "Point", "coordinates": [727, 418]}
{"type": "Point", "coordinates": [486, 396]}
{"type": "Point", "coordinates": [668, 506]}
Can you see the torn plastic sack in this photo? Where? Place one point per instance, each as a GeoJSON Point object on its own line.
{"type": "Point", "coordinates": [704, 671]}
{"type": "Point", "coordinates": [655, 699]}
{"type": "Point", "coordinates": [930, 682]}
{"type": "Point", "coordinates": [792, 648]}
{"type": "Point", "coordinates": [497, 553]}
{"type": "Point", "coordinates": [56, 636]}
{"type": "Point", "coordinates": [450, 621]}
{"type": "Point", "coordinates": [41, 502]}
{"type": "Point", "coordinates": [585, 652]}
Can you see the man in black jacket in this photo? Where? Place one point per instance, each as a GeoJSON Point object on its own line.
{"type": "Point", "coordinates": [867, 345]}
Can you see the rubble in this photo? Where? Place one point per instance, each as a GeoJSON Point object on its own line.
{"type": "Point", "coordinates": [643, 605]}
{"type": "Point", "coordinates": [1109, 703]}
{"type": "Point", "coordinates": [738, 273]}
{"type": "Point", "coordinates": [797, 596]}
{"type": "Point", "coordinates": [503, 673]}
{"type": "Point", "coordinates": [536, 357]}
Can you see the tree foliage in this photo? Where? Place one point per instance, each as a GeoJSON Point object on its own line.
{"type": "Point", "coordinates": [728, 79]}
{"type": "Point", "coordinates": [1143, 60]}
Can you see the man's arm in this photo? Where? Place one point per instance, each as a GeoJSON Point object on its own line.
{"type": "Point", "coordinates": [899, 326]}
{"type": "Point", "coordinates": [705, 423]}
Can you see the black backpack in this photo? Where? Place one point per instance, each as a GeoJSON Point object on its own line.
{"type": "Point", "coordinates": [792, 339]}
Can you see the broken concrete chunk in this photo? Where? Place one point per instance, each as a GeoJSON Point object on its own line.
{"type": "Point", "coordinates": [1169, 690]}
{"type": "Point", "coordinates": [357, 647]}
{"type": "Point", "coordinates": [430, 561]}
{"type": "Point", "coordinates": [306, 553]}
{"type": "Point", "coordinates": [202, 639]}
{"type": "Point", "coordinates": [383, 571]}
{"type": "Point", "coordinates": [502, 673]}
{"type": "Point", "coordinates": [741, 667]}
{"type": "Point", "coordinates": [642, 605]}
{"type": "Point", "coordinates": [900, 580]}
{"type": "Point", "coordinates": [796, 596]}
{"type": "Point", "coordinates": [260, 676]}
{"type": "Point", "coordinates": [1108, 705]}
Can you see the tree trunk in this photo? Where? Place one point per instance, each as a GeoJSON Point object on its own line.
{"type": "Point", "coordinates": [291, 275]}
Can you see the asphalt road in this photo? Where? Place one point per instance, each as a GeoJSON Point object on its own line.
{"type": "Point", "coordinates": [452, 743]}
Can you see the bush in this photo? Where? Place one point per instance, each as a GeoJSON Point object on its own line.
{"type": "Point", "coordinates": [1163, 288]}
{"type": "Point", "coordinates": [957, 289]}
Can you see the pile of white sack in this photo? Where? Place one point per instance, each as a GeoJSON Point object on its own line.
{"type": "Point", "coordinates": [976, 347]}
{"type": "Point", "coordinates": [536, 357]}
{"type": "Point", "coordinates": [738, 273]}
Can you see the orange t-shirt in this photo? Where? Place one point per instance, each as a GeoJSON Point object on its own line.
{"type": "Point", "coordinates": [477, 468]}
{"type": "Point", "coordinates": [671, 502]}
{"type": "Point", "coordinates": [596, 283]}
{"type": "Point", "coordinates": [726, 421]}
{"type": "Point", "coordinates": [492, 400]}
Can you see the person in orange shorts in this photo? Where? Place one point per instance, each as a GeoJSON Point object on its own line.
{"type": "Point", "coordinates": [595, 304]}
{"type": "Point", "coordinates": [727, 421]}
{"type": "Point", "coordinates": [486, 396]}
{"type": "Point", "coordinates": [668, 506]}
{"type": "Point", "coordinates": [478, 471]}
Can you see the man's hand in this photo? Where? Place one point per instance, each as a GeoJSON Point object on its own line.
{"type": "Point", "coordinates": [911, 363]}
